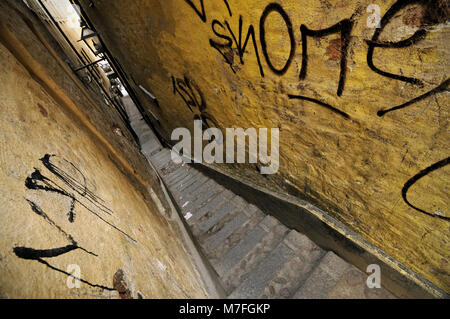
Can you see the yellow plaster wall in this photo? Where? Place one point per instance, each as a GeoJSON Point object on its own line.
{"type": "Point", "coordinates": [123, 242]}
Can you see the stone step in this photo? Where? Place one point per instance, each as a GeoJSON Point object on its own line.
{"type": "Point", "coordinates": [200, 181]}
{"type": "Point", "coordinates": [255, 216]}
{"type": "Point", "coordinates": [161, 159]}
{"type": "Point", "coordinates": [148, 136]}
{"type": "Point", "coordinates": [353, 285]}
{"type": "Point", "coordinates": [293, 274]}
{"type": "Point", "coordinates": [141, 128]}
{"type": "Point", "coordinates": [180, 174]}
{"type": "Point", "coordinates": [179, 177]}
{"type": "Point", "coordinates": [137, 120]}
{"type": "Point", "coordinates": [206, 222]}
{"type": "Point", "coordinates": [164, 154]}
{"type": "Point", "coordinates": [164, 151]}
{"type": "Point", "coordinates": [259, 277]}
{"type": "Point", "coordinates": [234, 202]}
{"type": "Point", "coordinates": [204, 198]}
{"type": "Point", "coordinates": [247, 254]}
{"type": "Point", "coordinates": [239, 251]}
{"type": "Point", "coordinates": [211, 242]}
{"type": "Point", "coordinates": [211, 206]}
{"type": "Point", "coordinates": [150, 147]}
{"type": "Point", "coordinates": [246, 210]}
{"type": "Point", "coordinates": [180, 171]}
{"type": "Point", "coordinates": [194, 194]}
{"type": "Point", "coordinates": [182, 184]}
{"type": "Point", "coordinates": [323, 278]}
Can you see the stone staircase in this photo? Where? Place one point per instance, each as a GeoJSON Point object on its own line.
{"type": "Point", "coordinates": [253, 254]}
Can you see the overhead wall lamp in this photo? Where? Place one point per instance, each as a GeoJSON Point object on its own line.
{"type": "Point", "coordinates": [90, 36]}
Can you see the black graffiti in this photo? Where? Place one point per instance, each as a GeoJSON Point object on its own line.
{"type": "Point", "coordinates": [275, 7]}
{"type": "Point", "coordinates": [73, 185]}
{"type": "Point", "coordinates": [30, 253]}
{"type": "Point", "coordinates": [39, 182]}
{"type": "Point", "coordinates": [229, 43]}
{"type": "Point", "coordinates": [202, 12]}
{"type": "Point", "coordinates": [228, 8]}
{"type": "Point", "coordinates": [241, 47]}
{"type": "Point", "coordinates": [189, 92]}
{"type": "Point", "coordinates": [417, 36]}
{"type": "Point", "coordinates": [416, 178]}
{"type": "Point", "coordinates": [344, 28]}
{"type": "Point", "coordinates": [326, 105]}
{"type": "Point", "coordinates": [36, 209]}
{"type": "Point", "coordinates": [226, 49]}
{"type": "Point", "coordinates": [443, 87]}
{"type": "Point", "coordinates": [208, 121]}
{"type": "Point", "coordinates": [71, 275]}
{"type": "Point", "coordinates": [193, 98]}
{"type": "Point", "coordinates": [86, 198]}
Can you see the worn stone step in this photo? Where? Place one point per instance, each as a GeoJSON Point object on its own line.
{"type": "Point", "coordinates": [210, 243]}
{"type": "Point", "coordinates": [136, 120]}
{"type": "Point", "coordinates": [183, 183]}
{"type": "Point", "coordinates": [248, 253]}
{"type": "Point", "coordinates": [259, 277]}
{"type": "Point", "coordinates": [168, 169]}
{"type": "Point", "coordinates": [200, 181]}
{"type": "Point", "coordinates": [163, 155]}
{"type": "Point", "coordinates": [293, 274]}
{"type": "Point", "coordinates": [140, 128]}
{"type": "Point", "coordinates": [150, 146]}
{"type": "Point", "coordinates": [211, 193]}
{"type": "Point", "coordinates": [247, 210]}
{"type": "Point", "coordinates": [180, 176]}
{"type": "Point", "coordinates": [161, 163]}
{"type": "Point", "coordinates": [190, 172]}
{"type": "Point", "coordinates": [244, 247]}
{"type": "Point", "coordinates": [323, 278]}
{"type": "Point", "coordinates": [194, 194]}
{"type": "Point", "coordinates": [191, 208]}
{"type": "Point", "coordinates": [235, 202]}
{"type": "Point", "coordinates": [255, 216]}
{"type": "Point", "coordinates": [352, 285]}
{"type": "Point", "coordinates": [180, 171]}
{"type": "Point", "coordinates": [210, 207]}
{"type": "Point", "coordinates": [149, 137]}
{"type": "Point", "coordinates": [205, 223]}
